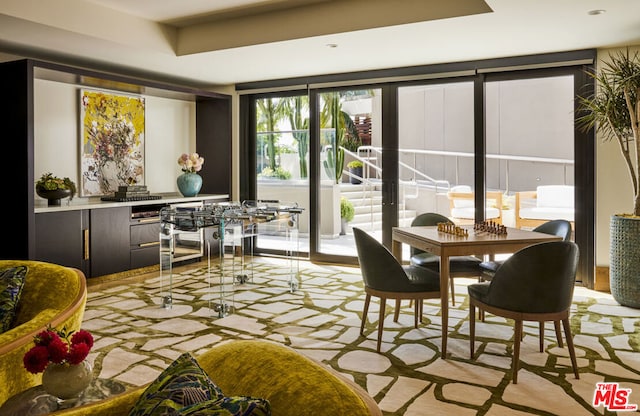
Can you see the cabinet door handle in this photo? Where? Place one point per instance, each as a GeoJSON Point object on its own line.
{"type": "Point", "coordinates": [148, 220]}
{"type": "Point", "coordinates": [85, 233]}
{"type": "Point", "coordinates": [154, 243]}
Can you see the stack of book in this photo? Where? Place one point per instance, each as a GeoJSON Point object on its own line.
{"type": "Point", "coordinates": [130, 193]}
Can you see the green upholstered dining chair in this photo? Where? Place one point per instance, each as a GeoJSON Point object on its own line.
{"type": "Point", "coordinates": [384, 277]}
{"type": "Point", "coordinates": [534, 284]}
{"type": "Point", "coordinates": [560, 228]}
{"type": "Point", "coordinates": [459, 266]}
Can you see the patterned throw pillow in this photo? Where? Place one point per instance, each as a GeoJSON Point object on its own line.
{"type": "Point", "coordinates": [185, 389]}
{"type": "Point", "coordinates": [183, 383]}
{"type": "Point", "coordinates": [230, 406]}
{"type": "Point", "coordinates": [11, 284]}
{"type": "Point", "coordinates": [227, 406]}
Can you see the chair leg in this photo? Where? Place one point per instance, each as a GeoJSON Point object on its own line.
{"type": "Point", "coordinates": [453, 293]}
{"type": "Point", "coordinates": [472, 329]}
{"type": "Point", "coordinates": [383, 305]}
{"type": "Point", "coordinates": [541, 336]}
{"type": "Point", "coordinates": [396, 312]}
{"type": "Point", "coordinates": [516, 351]}
{"type": "Point", "coordinates": [572, 351]}
{"type": "Point", "coordinates": [421, 303]}
{"type": "Point", "coordinates": [558, 333]}
{"type": "Point", "coordinates": [367, 299]}
{"type": "Point", "coordinates": [416, 314]}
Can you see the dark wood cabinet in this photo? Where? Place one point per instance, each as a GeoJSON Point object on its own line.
{"type": "Point", "coordinates": [110, 243]}
{"type": "Point", "coordinates": [63, 238]}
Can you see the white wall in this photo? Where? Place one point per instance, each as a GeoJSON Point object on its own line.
{"type": "Point", "coordinates": [169, 131]}
{"type": "Point", "coordinates": [614, 194]}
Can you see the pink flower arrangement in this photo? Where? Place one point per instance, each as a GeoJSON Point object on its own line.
{"type": "Point", "coordinates": [190, 163]}
{"type": "Point", "coordinates": [59, 347]}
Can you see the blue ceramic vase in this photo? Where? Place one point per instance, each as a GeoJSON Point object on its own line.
{"type": "Point", "coordinates": [189, 184]}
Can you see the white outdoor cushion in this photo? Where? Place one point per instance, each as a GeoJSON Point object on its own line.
{"type": "Point", "coordinates": [547, 213]}
{"type": "Point", "coordinates": [554, 196]}
{"type": "Point", "coordinates": [462, 203]}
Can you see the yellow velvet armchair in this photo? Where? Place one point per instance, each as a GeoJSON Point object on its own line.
{"type": "Point", "coordinates": [294, 384]}
{"type": "Point", "coordinates": [52, 295]}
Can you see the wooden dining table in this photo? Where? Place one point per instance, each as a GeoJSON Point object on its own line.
{"type": "Point", "coordinates": [445, 245]}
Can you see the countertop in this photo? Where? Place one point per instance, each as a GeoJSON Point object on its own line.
{"type": "Point", "coordinates": [94, 203]}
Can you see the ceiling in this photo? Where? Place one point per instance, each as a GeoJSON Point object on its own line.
{"type": "Point", "coordinates": [206, 43]}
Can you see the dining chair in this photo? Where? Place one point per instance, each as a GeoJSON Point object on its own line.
{"type": "Point", "coordinates": [560, 228]}
{"type": "Point", "coordinates": [459, 266]}
{"type": "Point", "coordinates": [384, 277]}
{"type": "Point", "coordinates": [534, 284]}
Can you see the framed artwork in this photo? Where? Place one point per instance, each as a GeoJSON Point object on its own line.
{"type": "Point", "coordinates": [111, 142]}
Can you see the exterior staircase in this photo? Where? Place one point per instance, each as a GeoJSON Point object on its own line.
{"type": "Point", "coordinates": [367, 202]}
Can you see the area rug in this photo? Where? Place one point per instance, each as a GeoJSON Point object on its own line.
{"type": "Point", "coordinates": [136, 338]}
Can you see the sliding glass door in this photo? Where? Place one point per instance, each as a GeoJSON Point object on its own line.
{"type": "Point", "coordinates": [436, 149]}
{"type": "Point", "coordinates": [282, 167]}
{"type": "Point", "coordinates": [374, 156]}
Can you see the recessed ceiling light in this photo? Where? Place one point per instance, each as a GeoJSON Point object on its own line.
{"type": "Point", "coordinates": [596, 12]}
{"type": "Point", "coordinates": [332, 45]}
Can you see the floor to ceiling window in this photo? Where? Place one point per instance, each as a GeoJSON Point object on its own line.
{"type": "Point", "coordinates": [282, 167]}
{"type": "Point", "coordinates": [500, 126]}
{"type": "Point", "coordinates": [530, 147]}
{"type": "Point", "coordinates": [436, 139]}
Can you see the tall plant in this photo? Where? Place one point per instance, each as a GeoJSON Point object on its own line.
{"type": "Point", "coordinates": [332, 116]}
{"type": "Point", "coordinates": [614, 111]}
{"type": "Point", "coordinates": [270, 112]}
{"type": "Point", "coordinates": [297, 110]}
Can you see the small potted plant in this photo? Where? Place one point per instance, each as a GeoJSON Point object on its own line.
{"type": "Point", "coordinates": [346, 214]}
{"type": "Point", "coordinates": [355, 169]}
{"type": "Point", "coordinates": [53, 188]}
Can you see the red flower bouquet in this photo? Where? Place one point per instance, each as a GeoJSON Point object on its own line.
{"type": "Point", "coordinates": [59, 347]}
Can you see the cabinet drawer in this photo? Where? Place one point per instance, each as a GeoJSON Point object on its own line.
{"type": "Point", "coordinates": [146, 256]}
{"type": "Point", "coordinates": [145, 233]}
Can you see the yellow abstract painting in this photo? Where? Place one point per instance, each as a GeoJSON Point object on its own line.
{"type": "Point", "coordinates": [112, 142]}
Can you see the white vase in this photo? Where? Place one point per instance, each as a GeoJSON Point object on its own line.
{"type": "Point", "coordinates": [66, 381]}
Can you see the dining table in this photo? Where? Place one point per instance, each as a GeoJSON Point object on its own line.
{"type": "Point", "coordinates": [462, 241]}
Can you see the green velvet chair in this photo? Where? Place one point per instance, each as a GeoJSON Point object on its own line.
{"type": "Point", "coordinates": [534, 284]}
{"type": "Point", "coordinates": [294, 384]}
{"type": "Point", "coordinates": [52, 295]}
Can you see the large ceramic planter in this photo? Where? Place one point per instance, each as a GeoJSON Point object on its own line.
{"type": "Point", "coordinates": [624, 273]}
{"type": "Point", "coordinates": [189, 184]}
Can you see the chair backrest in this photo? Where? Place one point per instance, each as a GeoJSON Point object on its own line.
{"type": "Point", "coordinates": [536, 279]}
{"type": "Point", "coordinates": [378, 266]}
{"type": "Point", "coordinates": [427, 219]}
{"type": "Point", "coordinates": [561, 228]}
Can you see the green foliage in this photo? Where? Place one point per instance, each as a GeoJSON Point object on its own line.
{"type": "Point", "coordinates": [278, 173]}
{"type": "Point", "coordinates": [51, 183]}
{"type": "Point", "coordinates": [297, 109]}
{"type": "Point", "coordinates": [354, 164]}
{"type": "Point", "coordinates": [614, 111]}
{"type": "Point", "coordinates": [346, 209]}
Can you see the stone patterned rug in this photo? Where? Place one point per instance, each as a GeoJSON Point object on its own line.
{"type": "Point", "coordinates": [136, 339]}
